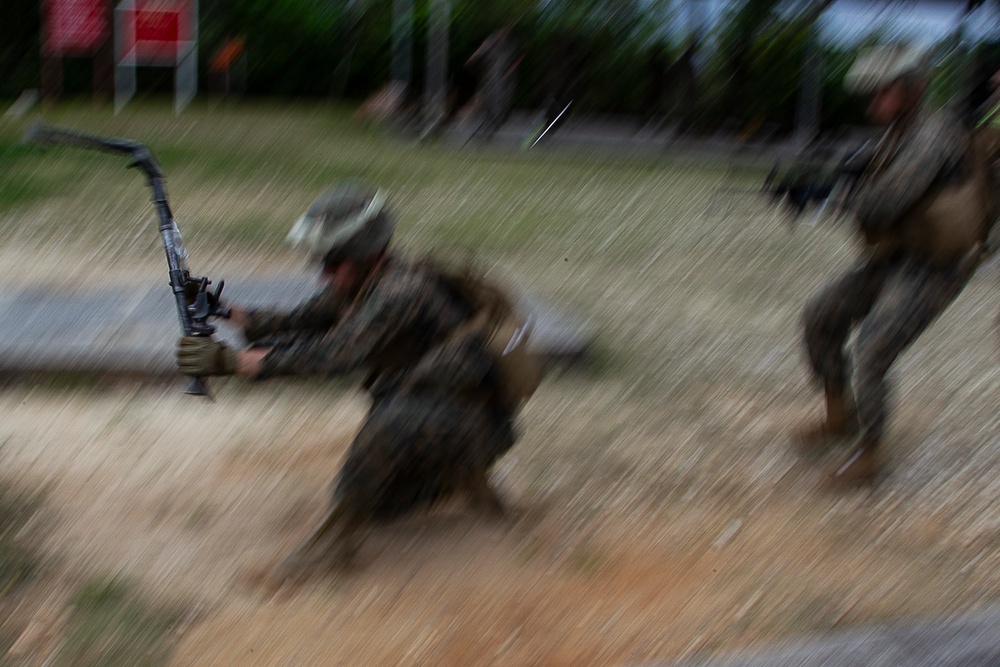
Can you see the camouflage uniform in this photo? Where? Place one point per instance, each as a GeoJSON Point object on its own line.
{"type": "Point", "coordinates": [443, 407]}
{"type": "Point", "coordinates": [897, 289]}
{"type": "Point", "coordinates": [434, 426]}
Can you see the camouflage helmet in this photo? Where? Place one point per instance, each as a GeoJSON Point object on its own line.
{"type": "Point", "coordinates": [348, 221]}
{"type": "Point", "coordinates": [880, 66]}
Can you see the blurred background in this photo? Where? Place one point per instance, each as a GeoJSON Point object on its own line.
{"type": "Point", "coordinates": [747, 67]}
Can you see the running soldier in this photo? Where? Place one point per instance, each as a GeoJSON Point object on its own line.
{"type": "Point", "coordinates": [923, 208]}
{"type": "Point", "coordinates": [495, 63]}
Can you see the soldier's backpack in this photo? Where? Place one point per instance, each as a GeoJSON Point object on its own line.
{"type": "Point", "coordinates": [503, 329]}
{"type": "Point", "coordinates": [955, 220]}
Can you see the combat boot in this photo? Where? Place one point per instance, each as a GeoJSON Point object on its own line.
{"type": "Point", "coordinates": [841, 421]}
{"type": "Point", "coordinates": [861, 467]}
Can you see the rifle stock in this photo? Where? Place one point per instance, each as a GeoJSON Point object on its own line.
{"type": "Point", "coordinates": [173, 243]}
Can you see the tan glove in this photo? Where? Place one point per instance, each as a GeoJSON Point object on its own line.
{"type": "Point", "coordinates": [204, 356]}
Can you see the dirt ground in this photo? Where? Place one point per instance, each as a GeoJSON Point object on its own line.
{"type": "Point", "coordinates": [659, 507]}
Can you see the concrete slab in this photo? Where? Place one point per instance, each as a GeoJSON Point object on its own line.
{"type": "Point", "coordinates": [133, 331]}
{"type": "Point", "coordinates": [971, 640]}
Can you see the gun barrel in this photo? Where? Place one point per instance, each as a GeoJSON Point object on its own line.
{"type": "Point", "coordinates": [142, 157]}
{"type": "Point", "coordinates": [45, 134]}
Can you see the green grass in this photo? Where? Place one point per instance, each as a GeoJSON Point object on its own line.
{"type": "Point", "coordinates": [23, 180]}
{"type": "Point", "coordinates": [18, 560]}
{"type": "Point", "coordinates": [239, 176]}
{"type": "Point", "coordinates": [111, 625]}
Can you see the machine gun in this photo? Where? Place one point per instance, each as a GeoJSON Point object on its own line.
{"type": "Point", "coordinates": [195, 302]}
{"type": "Point", "coordinates": [816, 182]}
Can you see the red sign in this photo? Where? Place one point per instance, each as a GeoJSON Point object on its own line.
{"type": "Point", "coordinates": [156, 31]}
{"type": "Point", "coordinates": [75, 27]}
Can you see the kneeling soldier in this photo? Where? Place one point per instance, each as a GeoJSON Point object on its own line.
{"type": "Point", "coordinates": [438, 418]}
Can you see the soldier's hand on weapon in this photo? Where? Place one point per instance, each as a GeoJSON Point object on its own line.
{"type": "Point", "coordinates": [203, 356]}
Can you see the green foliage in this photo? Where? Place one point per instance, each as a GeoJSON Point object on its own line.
{"type": "Point", "coordinates": [774, 60]}
{"type": "Point", "coordinates": [290, 44]}
{"type": "Point", "coordinates": [322, 48]}
{"type": "Point", "coordinates": [839, 108]}
{"type": "Point", "coordinates": [19, 47]}
{"type": "Point", "coordinates": [110, 625]}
